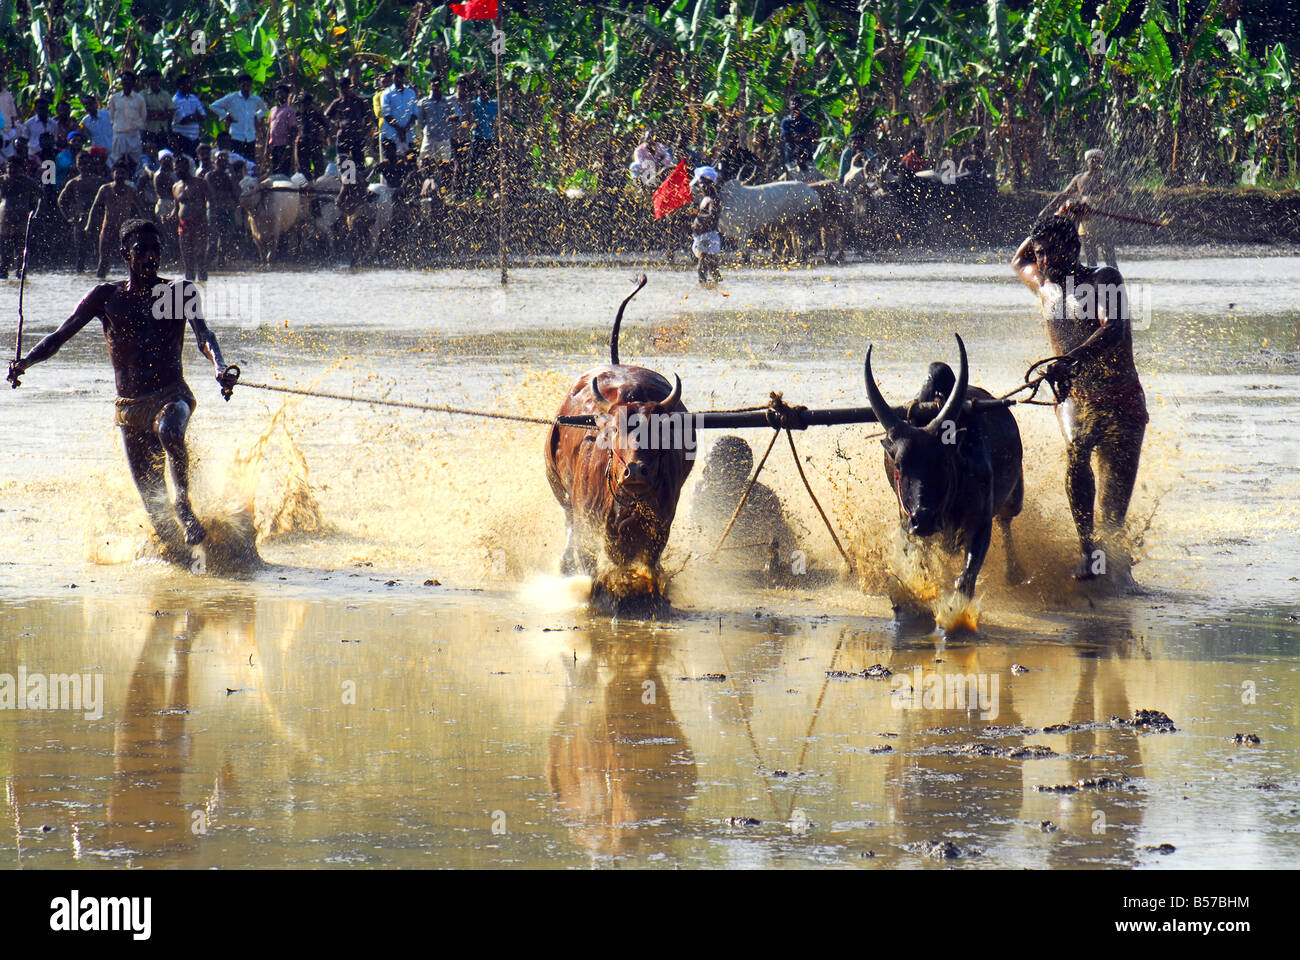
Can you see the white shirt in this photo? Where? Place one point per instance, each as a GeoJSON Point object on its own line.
{"type": "Point", "coordinates": [128, 113]}
{"type": "Point", "coordinates": [244, 111]}
{"type": "Point", "coordinates": [99, 129]}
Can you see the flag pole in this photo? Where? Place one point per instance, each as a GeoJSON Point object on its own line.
{"type": "Point", "coordinates": [497, 46]}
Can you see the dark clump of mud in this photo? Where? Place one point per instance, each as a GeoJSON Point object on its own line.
{"type": "Point", "coordinates": [1155, 720]}
{"type": "Point", "coordinates": [1246, 738]}
{"type": "Point", "coordinates": [1161, 848]}
{"type": "Point", "coordinates": [940, 849]}
{"type": "Point", "coordinates": [996, 731]}
{"type": "Point", "coordinates": [1088, 783]}
{"type": "Point", "coordinates": [1024, 752]}
{"type": "Point", "coordinates": [877, 671]}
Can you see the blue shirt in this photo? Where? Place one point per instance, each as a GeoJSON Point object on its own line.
{"type": "Point", "coordinates": [63, 161]}
{"type": "Point", "coordinates": [185, 104]}
{"type": "Point", "coordinates": [436, 117]}
{"type": "Point", "coordinates": [400, 105]}
{"type": "Point", "coordinates": [485, 118]}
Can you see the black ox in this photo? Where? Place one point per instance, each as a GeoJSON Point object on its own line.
{"type": "Point", "coordinates": [956, 472]}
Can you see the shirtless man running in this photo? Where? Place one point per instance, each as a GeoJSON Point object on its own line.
{"type": "Point", "coordinates": [144, 324]}
{"type": "Point", "coordinates": [1104, 408]}
{"type": "Point", "coordinates": [115, 204]}
{"type": "Point", "coordinates": [192, 196]}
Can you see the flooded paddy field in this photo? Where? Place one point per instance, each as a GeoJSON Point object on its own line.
{"type": "Point", "coordinates": [407, 681]}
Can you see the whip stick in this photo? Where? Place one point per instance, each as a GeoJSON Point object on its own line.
{"type": "Point", "coordinates": [22, 285]}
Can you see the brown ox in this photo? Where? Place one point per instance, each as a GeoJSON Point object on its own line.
{"type": "Point", "coordinates": [619, 484]}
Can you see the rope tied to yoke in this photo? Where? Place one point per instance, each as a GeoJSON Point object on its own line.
{"type": "Point", "coordinates": [782, 416]}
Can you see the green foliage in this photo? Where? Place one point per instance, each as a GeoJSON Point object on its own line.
{"type": "Point", "coordinates": [694, 65]}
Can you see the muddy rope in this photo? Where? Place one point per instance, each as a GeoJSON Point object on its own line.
{"type": "Point", "coordinates": [780, 415]}
{"type": "Point", "coordinates": [426, 407]}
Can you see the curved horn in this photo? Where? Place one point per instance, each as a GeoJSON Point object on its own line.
{"type": "Point", "coordinates": [597, 397]}
{"type": "Point", "coordinates": [952, 406]}
{"type": "Point", "coordinates": [618, 320]}
{"type": "Point", "coordinates": [671, 400]}
{"type": "Point", "coordinates": [885, 415]}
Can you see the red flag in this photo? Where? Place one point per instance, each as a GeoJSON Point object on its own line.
{"type": "Point", "coordinates": [674, 192]}
{"type": "Point", "coordinates": [476, 9]}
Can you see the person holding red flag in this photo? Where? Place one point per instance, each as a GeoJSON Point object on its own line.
{"type": "Point", "coordinates": [674, 192]}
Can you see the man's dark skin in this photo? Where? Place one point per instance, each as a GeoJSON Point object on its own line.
{"type": "Point", "coordinates": [74, 203]}
{"type": "Point", "coordinates": [1104, 410]}
{"type": "Point", "coordinates": [224, 200]}
{"type": "Point", "coordinates": [118, 201]}
{"type": "Point", "coordinates": [192, 195]}
{"type": "Point", "coordinates": [19, 196]}
{"type": "Point", "coordinates": [154, 404]}
{"type": "Point", "coordinates": [351, 116]}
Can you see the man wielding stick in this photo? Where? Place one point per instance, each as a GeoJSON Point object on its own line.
{"type": "Point", "coordinates": [1103, 409]}
{"type": "Point", "coordinates": [144, 325]}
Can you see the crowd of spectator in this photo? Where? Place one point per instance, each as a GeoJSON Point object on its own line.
{"type": "Point", "coordinates": [168, 155]}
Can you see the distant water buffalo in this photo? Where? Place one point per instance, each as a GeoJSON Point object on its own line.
{"type": "Point", "coordinates": [275, 207]}
{"type": "Point", "coordinates": [957, 472]}
{"type": "Point", "coordinates": [619, 485]}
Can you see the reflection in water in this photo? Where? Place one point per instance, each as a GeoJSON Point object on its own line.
{"type": "Point", "coordinates": [375, 695]}
{"type": "Point", "coordinates": [618, 762]}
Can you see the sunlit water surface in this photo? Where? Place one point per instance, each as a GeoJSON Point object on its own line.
{"type": "Point", "coordinates": [409, 684]}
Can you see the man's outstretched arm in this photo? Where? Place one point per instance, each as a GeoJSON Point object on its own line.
{"type": "Point", "coordinates": [89, 309]}
{"type": "Point", "coordinates": [208, 346]}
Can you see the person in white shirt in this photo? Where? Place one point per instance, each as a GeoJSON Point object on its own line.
{"type": "Point", "coordinates": [38, 123]}
{"type": "Point", "coordinates": [96, 123]}
{"type": "Point", "coordinates": [128, 112]}
{"type": "Point", "coordinates": [397, 105]}
{"type": "Point", "coordinates": [242, 111]}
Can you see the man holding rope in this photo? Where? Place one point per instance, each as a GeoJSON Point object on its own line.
{"type": "Point", "coordinates": [1102, 406]}
{"type": "Point", "coordinates": [144, 324]}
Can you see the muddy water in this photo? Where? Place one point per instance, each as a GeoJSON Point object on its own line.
{"type": "Point", "coordinates": [407, 683]}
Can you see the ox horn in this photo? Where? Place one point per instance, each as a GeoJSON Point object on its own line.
{"type": "Point", "coordinates": [671, 400]}
{"type": "Point", "coordinates": [885, 415]}
{"type": "Point", "coordinates": [597, 397]}
{"type": "Point", "coordinates": [952, 406]}
{"type": "Point", "coordinates": [618, 320]}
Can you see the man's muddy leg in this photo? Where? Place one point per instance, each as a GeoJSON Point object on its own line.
{"type": "Point", "coordinates": [105, 252]}
{"type": "Point", "coordinates": [1108, 251]}
{"type": "Point", "coordinates": [171, 424]}
{"type": "Point", "coordinates": [1089, 251]}
{"type": "Point", "coordinates": [144, 456]}
{"type": "Point", "coordinates": [1118, 458]}
{"type": "Point", "coordinates": [1081, 489]}
{"type": "Point", "coordinates": [187, 256]}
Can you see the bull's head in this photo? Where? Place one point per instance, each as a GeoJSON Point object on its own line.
{"type": "Point", "coordinates": [921, 461]}
{"type": "Point", "coordinates": [645, 450]}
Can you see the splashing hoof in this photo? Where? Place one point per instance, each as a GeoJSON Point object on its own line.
{"type": "Point", "coordinates": [194, 531]}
